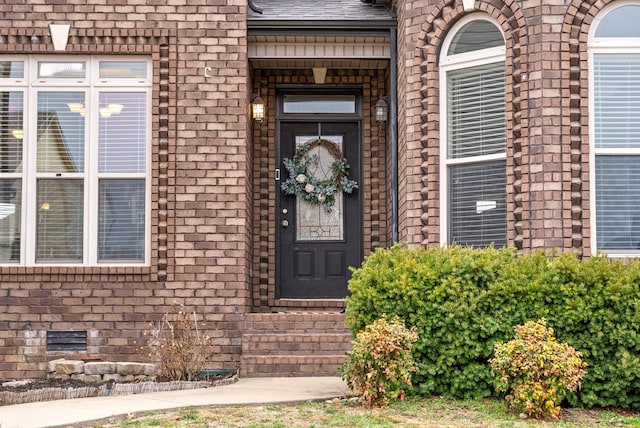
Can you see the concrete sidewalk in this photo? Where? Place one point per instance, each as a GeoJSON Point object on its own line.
{"type": "Point", "coordinates": [245, 391]}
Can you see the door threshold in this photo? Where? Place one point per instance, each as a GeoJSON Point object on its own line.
{"type": "Point", "coordinates": [309, 305]}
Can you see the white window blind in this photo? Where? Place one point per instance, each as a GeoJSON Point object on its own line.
{"type": "Point", "coordinates": [60, 213]}
{"type": "Point", "coordinates": [478, 204]}
{"type": "Point", "coordinates": [616, 80]}
{"type": "Point", "coordinates": [11, 144]}
{"type": "Point", "coordinates": [618, 202]}
{"type": "Point", "coordinates": [617, 101]}
{"type": "Point", "coordinates": [61, 132]}
{"type": "Point", "coordinates": [11, 131]}
{"type": "Point", "coordinates": [10, 216]}
{"type": "Point", "coordinates": [476, 111]}
{"type": "Point", "coordinates": [476, 145]}
{"type": "Point", "coordinates": [122, 132]}
{"type": "Point", "coordinates": [122, 219]}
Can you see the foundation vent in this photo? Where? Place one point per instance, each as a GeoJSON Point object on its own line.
{"type": "Point", "coordinates": [61, 340]}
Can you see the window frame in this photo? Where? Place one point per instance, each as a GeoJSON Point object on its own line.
{"type": "Point", "coordinates": [605, 45]}
{"type": "Point", "coordinates": [447, 64]}
{"type": "Point", "coordinates": [92, 86]}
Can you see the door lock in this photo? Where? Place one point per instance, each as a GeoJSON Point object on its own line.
{"type": "Point", "coordinates": [285, 223]}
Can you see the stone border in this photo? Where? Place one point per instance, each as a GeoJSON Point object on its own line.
{"type": "Point", "coordinates": [110, 379]}
{"type": "Point", "coordinates": [100, 371]}
{"type": "Point", "coordinates": [117, 389]}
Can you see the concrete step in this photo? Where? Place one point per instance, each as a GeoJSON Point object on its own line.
{"type": "Point", "coordinates": [291, 365]}
{"type": "Point", "coordinates": [300, 322]}
{"type": "Point", "coordinates": [295, 343]}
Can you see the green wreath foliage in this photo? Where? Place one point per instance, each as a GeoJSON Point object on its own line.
{"type": "Point", "coordinates": [311, 189]}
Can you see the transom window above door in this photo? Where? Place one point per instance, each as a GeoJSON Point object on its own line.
{"type": "Point", "coordinates": [74, 160]}
{"type": "Point", "coordinates": [319, 103]}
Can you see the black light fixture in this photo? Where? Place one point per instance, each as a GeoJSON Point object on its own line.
{"type": "Point", "coordinates": [257, 108]}
{"type": "Point", "coordinates": [382, 110]}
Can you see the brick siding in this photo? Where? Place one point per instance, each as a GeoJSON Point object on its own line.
{"type": "Point", "coordinates": [212, 205]}
{"type": "Point", "coordinates": [201, 204]}
{"type": "Point", "coordinates": [547, 118]}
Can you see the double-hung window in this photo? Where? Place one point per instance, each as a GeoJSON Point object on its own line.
{"type": "Point", "coordinates": [74, 160]}
{"type": "Point", "coordinates": [473, 135]}
{"type": "Point", "coordinates": [614, 60]}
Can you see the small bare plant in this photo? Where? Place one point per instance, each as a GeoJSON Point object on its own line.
{"type": "Point", "coordinates": [178, 346]}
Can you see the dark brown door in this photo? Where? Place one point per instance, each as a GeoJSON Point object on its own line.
{"type": "Point", "coordinates": [317, 243]}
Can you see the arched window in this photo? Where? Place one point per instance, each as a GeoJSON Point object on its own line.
{"type": "Point", "coordinates": [614, 103]}
{"type": "Point", "coordinates": [473, 135]}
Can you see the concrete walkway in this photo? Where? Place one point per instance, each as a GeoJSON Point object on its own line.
{"type": "Point", "coordinates": [245, 391]}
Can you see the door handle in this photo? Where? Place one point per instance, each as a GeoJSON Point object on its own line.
{"type": "Point", "coordinates": [285, 223]}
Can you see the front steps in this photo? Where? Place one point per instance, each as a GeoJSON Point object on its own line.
{"type": "Point", "coordinates": [294, 344]}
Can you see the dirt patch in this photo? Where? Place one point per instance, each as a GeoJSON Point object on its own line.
{"type": "Point", "coordinates": [33, 384]}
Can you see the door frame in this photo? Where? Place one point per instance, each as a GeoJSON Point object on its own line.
{"type": "Point", "coordinates": [356, 118]}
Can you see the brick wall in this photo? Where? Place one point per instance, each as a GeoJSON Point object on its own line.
{"type": "Point", "coordinates": [201, 206]}
{"type": "Point", "coordinates": [213, 236]}
{"type": "Point", "coordinates": [547, 89]}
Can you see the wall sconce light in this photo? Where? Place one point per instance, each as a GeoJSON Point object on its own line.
{"type": "Point", "coordinates": [382, 110]}
{"type": "Point", "coordinates": [59, 36]}
{"type": "Point", "coordinates": [257, 108]}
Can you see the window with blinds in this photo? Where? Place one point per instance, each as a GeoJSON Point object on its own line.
{"type": "Point", "coordinates": [11, 137]}
{"type": "Point", "coordinates": [615, 137]}
{"type": "Point", "coordinates": [474, 183]}
{"type": "Point", "coordinates": [476, 111]}
{"type": "Point", "coordinates": [478, 204]}
{"type": "Point", "coordinates": [74, 163]}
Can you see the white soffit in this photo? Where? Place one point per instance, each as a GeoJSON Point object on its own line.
{"type": "Point", "coordinates": [325, 51]}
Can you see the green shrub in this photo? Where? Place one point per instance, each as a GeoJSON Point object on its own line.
{"type": "Point", "coordinates": [380, 364]}
{"type": "Point", "coordinates": [462, 301]}
{"type": "Point", "coordinates": [536, 370]}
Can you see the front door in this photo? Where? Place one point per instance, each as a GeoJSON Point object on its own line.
{"type": "Point", "coordinates": [318, 241]}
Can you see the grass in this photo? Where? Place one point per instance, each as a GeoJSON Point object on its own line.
{"type": "Point", "coordinates": [415, 412]}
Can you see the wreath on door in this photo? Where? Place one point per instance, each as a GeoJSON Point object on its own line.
{"type": "Point", "coordinates": [317, 191]}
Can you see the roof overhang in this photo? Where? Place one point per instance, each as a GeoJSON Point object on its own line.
{"type": "Point", "coordinates": [327, 33]}
{"type": "Point", "coordinates": [286, 50]}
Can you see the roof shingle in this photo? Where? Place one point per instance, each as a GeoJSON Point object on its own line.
{"type": "Point", "coordinates": [318, 10]}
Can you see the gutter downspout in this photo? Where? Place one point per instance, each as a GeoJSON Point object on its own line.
{"type": "Point", "coordinates": [393, 101]}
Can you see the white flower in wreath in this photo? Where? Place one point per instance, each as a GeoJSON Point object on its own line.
{"type": "Point", "coordinates": [322, 198]}
{"type": "Point", "coordinates": [309, 188]}
{"type": "Point", "coordinates": [301, 178]}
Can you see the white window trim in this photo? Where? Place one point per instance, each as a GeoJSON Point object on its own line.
{"type": "Point", "coordinates": [604, 45]}
{"type": "Point", "coordinates": [451, 63]}
{"type": "Point", "coordinates": [92, 86]}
